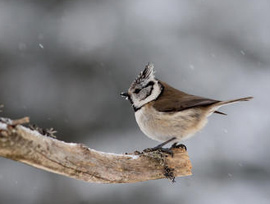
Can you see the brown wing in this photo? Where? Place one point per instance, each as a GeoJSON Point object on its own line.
{"type": "Point", "coordinates": [172, 99]}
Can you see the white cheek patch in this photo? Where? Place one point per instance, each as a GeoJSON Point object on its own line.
{"type": "Point", "coordinates": [156, 90]}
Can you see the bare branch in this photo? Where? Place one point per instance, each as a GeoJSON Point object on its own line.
{"type": "Point", "coordinates": [20, 121]}
{"type": "Point", "coordinates": [78, 161]}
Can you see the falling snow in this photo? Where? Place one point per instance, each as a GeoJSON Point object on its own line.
{"type": "Point", "coordinates": [41, 46]}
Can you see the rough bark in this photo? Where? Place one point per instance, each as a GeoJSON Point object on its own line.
{"type": "Point", "coordinates": [80, 162]}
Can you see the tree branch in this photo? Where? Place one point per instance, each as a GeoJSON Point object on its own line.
{"type": "Point", "coordinates": [80, 162]}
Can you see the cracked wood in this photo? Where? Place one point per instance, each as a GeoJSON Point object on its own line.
{"type": "Point", "coordinates": [80, 162]}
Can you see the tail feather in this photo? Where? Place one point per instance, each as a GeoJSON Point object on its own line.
{"type": "Point", "coordinates": [216, 106]}
{"type": "Point", "coordinates": [222, 103]}
{"type": "Point", "coordinates": [219, 112]}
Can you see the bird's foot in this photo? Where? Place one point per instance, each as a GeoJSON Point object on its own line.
{"type": "Point", "coordinates": [182, 146]}
{"type": "Point", "coordinates": [160, 149]}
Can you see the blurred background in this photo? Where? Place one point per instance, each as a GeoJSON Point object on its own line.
{"type": "Point", "coordinates": [64, 63]}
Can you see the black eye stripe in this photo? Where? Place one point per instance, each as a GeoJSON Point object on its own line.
{"type": "Point", "coordinates": [150, 83]}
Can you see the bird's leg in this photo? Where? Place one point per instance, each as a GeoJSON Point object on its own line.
{"type": "Point", "coordinates": [175, 145]}
{"type": "Point", "coordinates": [160, 147]}
{"type": "Point", "coordinates": [164, 143]}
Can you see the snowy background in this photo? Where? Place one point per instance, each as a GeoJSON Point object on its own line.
{"type": "Point", "coordinates": [64, 63]}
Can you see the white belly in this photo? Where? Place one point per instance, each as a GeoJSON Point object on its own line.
{"type": "Point", "coordinates": [162, 126]}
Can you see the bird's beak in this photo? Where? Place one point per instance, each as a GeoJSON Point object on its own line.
{"type": "Point", "coordinates": [125, 94]}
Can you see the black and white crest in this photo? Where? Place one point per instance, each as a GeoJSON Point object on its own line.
{"type": "Point", "coordinates": [146, 75]}
{"type": "Point", "coordinates": [144, 89]}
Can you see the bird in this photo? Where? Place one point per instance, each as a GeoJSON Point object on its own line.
{"type": "Point", "coordinates": [166, 114]}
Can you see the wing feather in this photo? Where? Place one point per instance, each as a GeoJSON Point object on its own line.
{"type": "Point", "coordinates": [172, 100]}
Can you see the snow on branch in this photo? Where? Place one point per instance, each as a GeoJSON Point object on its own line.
{"type": "Point", "coordinates": [77, 161]}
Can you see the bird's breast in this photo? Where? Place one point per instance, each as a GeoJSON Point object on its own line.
{"type": "Point", "coordinates": [162, 126]}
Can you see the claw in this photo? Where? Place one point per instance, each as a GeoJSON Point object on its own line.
{"type": "Point", "coordinates": [165, 150]}
{"type": "Point", "coordinates": [182, 146]}
{"type": "Point", "coordinates": [161, 149]}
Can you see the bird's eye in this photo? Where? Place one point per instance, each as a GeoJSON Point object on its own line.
{"type": "Point", "coordinates": [137, 91]}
